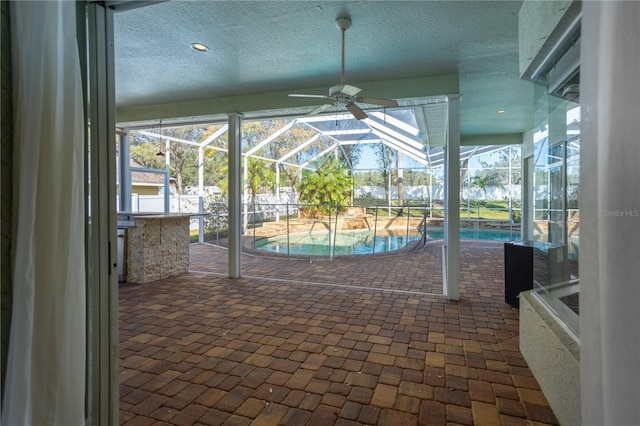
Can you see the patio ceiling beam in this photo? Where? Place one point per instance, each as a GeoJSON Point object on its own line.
{"type": "Point", "coordinates": [422, 87]}
{"type": "Point", "coordinates": [272, 137]}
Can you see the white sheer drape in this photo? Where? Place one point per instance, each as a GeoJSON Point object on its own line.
{"type": "Point", "coordinates": [45, 383]}
{"type": "Point", "coordinates": [610, 213]}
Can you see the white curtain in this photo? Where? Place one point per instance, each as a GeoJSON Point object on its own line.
{"type": "Point", "coordinates": [45, 382]}
{"type": "Point", "coordinates": [610, 213]}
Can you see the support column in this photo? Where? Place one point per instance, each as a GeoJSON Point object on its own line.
{"type": "Point", "coordinates": [235, 195]}
{"type": "Point", "coordinates": [125, 172]}
{"type": "Point", "coordinates": [277, 192]}
{"type": "Point", "coordinates": [201, 194]}
{"type": "Point", "coordinates": [527, 217]}
{"type": "Point", "coordinates": [526, 202]}
{"type": "Point", "coordinates": [167, 181]}
{"type": "Point", "coordinates": [610, 213]}
{"type": "Point", "coordinates": [445, 175]}
{"type": "Point", "coordinates": [452, 212]}
{"type": "Point", "coordinates": [245, 185]}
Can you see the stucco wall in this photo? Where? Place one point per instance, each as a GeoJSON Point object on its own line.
{"type": "Point", "coordinates": [553, 355]}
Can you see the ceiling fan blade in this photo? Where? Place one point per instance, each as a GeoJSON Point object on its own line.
{"type": "Point", "coordinates": [378, 101]}
{"type": "Point", "coordinates": [320, 109]}
{"type": "Point", "coordinates": [356, 111]}
{"type": "Point", "coordinates": [302, 95]}
{"type": "Point", "coordinates": [350, 90]}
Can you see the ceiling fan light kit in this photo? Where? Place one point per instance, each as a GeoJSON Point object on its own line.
{"type": "Point", "coordinates": [344, 94]}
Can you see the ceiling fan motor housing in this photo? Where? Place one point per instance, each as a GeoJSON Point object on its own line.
{"type": "Point", "coordinates": [343, 23]}
{"type": "Point", "coordinates": [343, 92]}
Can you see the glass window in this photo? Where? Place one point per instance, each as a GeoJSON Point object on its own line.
{"type": "Point", "coordinates": [556, 226]}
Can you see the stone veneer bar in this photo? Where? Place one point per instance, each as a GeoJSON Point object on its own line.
{"type": "Point", "coordinates": [157, 247]}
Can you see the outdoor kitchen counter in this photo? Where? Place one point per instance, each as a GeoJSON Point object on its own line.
{"type": "Point", "coordinates": [156, 246]}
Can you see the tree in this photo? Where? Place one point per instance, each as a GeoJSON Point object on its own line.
{"type": "Point", "coordinates": [215, 168]}
{"type": "Point", "coordinates": [352, 154]}
{"type": "Point", "coordinates": [488, 176]}
{"type": "Point", "coordinates": [326, 187]}
{"type": "Point", "coordinates": [497, 173]}
{"type": "Point", "coordinates": [214, 160]}
{"type": "Point", "coordinates": [146, 153]}
{"type": "Point", "coordinates": [368, 178]}
{"type": "Point", "coordinates": [417, 177]}
{"type": "Point", "coordinates": [183, 158]}
{"type": "Point", "coordinates": [261, 176]}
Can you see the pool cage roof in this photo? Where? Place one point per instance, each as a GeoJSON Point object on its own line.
{"type": "Point", "coordinates": [416, 129]}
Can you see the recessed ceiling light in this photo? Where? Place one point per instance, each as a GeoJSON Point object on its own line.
{"type": "Point", "coordinates": [501, 111]}
{"type": "Point", "coordinates": [199, 47]}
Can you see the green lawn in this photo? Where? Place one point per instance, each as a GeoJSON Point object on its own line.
{"type": "Point", "coordinates": [488, 210]}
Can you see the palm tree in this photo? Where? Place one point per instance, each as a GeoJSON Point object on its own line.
{"type": "Point", "coordinates": [326, 187]}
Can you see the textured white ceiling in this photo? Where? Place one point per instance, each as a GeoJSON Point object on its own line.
{"type": "Point", "coordinates": [288, 46]}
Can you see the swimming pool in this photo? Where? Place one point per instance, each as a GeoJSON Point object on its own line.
{"type": "Point", "coordinates": [359, 242]}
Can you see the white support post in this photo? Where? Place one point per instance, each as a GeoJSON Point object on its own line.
{"type": "Point", "coordinates": [245, 191]}
{"type": "Point", "coordinates": [235, 198]}
{"type": "Point", "coordinates": [278, 192]}
{"type": "Point", "coordinates": [452, 213]}
{"type": "Point", "coordinates": [445, 172]}
{"type": "Point", "coordinates": [526, 196]}
{"type": "Point", "coordinates": [125, 173]}
{"type": "Point", "coordinates": [201, 194]}
{"type": "Point", "coordinates": [167, 182]}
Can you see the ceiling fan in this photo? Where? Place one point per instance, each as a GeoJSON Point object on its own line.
{"type": "Point", "coordinates": [344, 94]}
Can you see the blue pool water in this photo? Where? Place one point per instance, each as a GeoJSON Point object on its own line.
{"type": "Point", "coordinates": [362, 241]}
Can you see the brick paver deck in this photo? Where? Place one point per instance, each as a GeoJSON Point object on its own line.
{"type": "Point", "coordinates": [353, 341]}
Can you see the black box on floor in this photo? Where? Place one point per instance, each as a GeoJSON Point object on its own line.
{"type": "Point", "coordinates": [518, 270]}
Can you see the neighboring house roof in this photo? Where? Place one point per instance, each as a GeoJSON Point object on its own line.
{"type": "Point", "coordinates": [141, 178]}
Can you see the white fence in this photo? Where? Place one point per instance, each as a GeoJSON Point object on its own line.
{"type": "Point", "coordinates": [436, 192]}
{"type": "Point", "coordinates": [189, 203]}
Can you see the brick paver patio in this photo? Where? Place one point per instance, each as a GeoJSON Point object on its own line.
{"type": "Point", "coordinates": [353, 341]}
